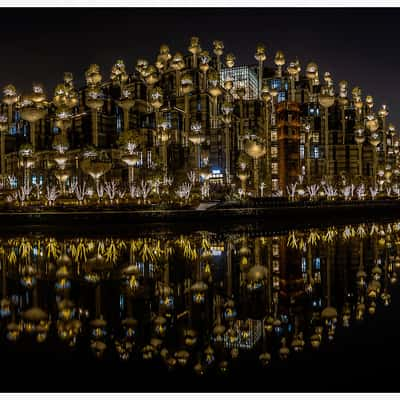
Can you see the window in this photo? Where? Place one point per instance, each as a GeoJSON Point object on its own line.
{"type": "Point", "coordinates": [274, 152]}
{"type": "Point", "coordinates": [303, 264]}
{"type": "Point", "coordinates": [276, 84]}
{"type": "Point", "coordinates": [242, 76]}
{"type": "Point", "coordinates": [274, 167]}
{"type": "Point", "coordinates": [302, 151]}
{"type": "Point", "coordinates": [118, 120]}
{"type": "Point", "coordinates": [13, 182]}
{"type": "Point", "coordinates": [316, 152]}
{"type": "Point", "coordinates": [281, 97]}
{"type": "Point", "coordinates": [314, 111]}
{"type": "Point", "coordinates": [149, 161]}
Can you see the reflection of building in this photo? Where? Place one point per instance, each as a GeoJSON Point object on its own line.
{"type": "Point", "coordinates": [245, 77]}
{"type": "Point", "coordinates": [248, 332]}
{"type": "Point", "coordinates": [152, 301]}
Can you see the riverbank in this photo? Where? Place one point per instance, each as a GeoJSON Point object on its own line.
{"type": "Point", "coordinates": [258, 216]}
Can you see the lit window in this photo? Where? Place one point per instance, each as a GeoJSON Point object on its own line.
{"type": "Point", "coordinates": [118, 121]}
{"type": "Point", "coordinates": [281, 97]}
{"type": "Point", "coordinates": [274, 167]}
{"type": "Point", "coordinates": [13, 182]}
{"type": "Point", "coordinates": [276, 84]}
{"type": "Point", "coordinates": [302, 151]}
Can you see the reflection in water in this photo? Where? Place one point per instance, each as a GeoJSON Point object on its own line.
{"type": "Point", "coordinates": [200, 300]}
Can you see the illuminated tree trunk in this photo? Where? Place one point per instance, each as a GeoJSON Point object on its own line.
{"type": "Point", "coordinates": [33, 135]}
{"type": "Point", "coordinates": [227, 154]}
{"type": "Point", "coordinates": [3, 152]}
{"type": "Point", "coordinates": [131, 174]}
{"type": "Point", "coordinates": [292, 89]}
{"type": "Point", "coordinates": [187, 120]}
{"type": "Point", "coordinates": [229, 268]}
{"type": "Point", "coordinates": [243, 182]}
{"type": "Point", "coordinates": [257, 251]}
{"type": "Point", "coordinates": [260, 73]}
{"type": "Point", "coordinates": [308, 158]}
{"type": "Point", "coordinates": [384, 139]}
{"type": "Point", "coordinates": [126, 120]}
{"type": "Point", "coordinates": [360, 163]}
{"type": "Point", "coordinates": [256, 177]}
{"type": "Point", "coordinates": [178, 82]}
{"type": "Point", "coordinates": [95, 134]}
{"type": "Point", "coordinates": [165, 158]}
{"type": "Point", "coordinates": [204, 81]}
{"type": "Point", "coordinates": [343, 126]}
{"type": "Point", "coordinates": [241, 117]}
{"type": "Point", "coordinates": [197, 155]}
{"type": "Point", "coordinates": [328, 275]}
{"type": "Point", "coordinates": [218, 65]}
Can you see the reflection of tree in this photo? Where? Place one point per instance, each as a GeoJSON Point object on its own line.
{"type": "Point", "coordinates": [198, 300]}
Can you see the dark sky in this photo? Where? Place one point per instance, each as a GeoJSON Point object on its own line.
{"type": "Point", "coordinates": [359, 45]}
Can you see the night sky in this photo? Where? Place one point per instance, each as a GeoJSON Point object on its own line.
{"type": "Point", "coordinates": [358, 45]}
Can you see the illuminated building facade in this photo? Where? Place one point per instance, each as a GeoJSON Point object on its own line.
{"type": "Point", "coordinates": [257, 129]}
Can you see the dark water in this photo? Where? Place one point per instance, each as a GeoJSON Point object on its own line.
{"type": "Point", "coordinates": [312, 310]}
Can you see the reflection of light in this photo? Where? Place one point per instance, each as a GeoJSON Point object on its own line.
{"type": "Point", "coordinates": [244, 341]}
{"type": "Point", "coordinates": [216, 252]}
{"type": "Point", "coordinates": [216, 173]}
